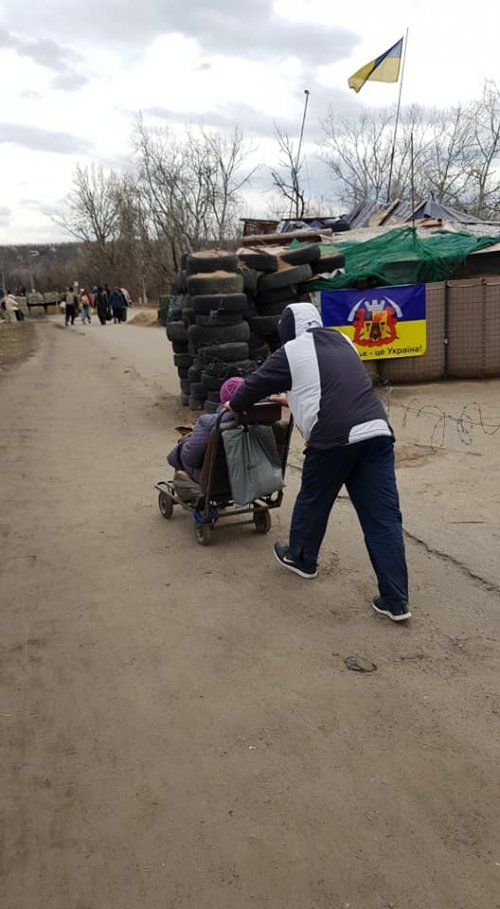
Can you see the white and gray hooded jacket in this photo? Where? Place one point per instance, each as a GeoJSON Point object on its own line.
{"type": "Point", "coordinates": [329, 392]}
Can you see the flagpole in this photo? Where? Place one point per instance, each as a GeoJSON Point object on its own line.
{"type": "Point", "coordinates": [393, 151]}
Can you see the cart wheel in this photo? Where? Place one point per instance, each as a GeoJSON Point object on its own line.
{"type": "Point", "coordinates": [203, 533]}
{"type": "Point", "coordinates": [165, 505]}
{"type": "Point", "coordinates": [262, 520]}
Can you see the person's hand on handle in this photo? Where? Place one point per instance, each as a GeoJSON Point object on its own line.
{"type": "Point", "coordinates": [279, 399]}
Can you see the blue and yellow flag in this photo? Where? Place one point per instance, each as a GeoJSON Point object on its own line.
{"type": "Point", "coordinates": [383, 69]}
{"type": "Point", "coordinates": [383, 322]}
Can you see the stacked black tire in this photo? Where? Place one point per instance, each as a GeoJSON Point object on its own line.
{"type": "Point", "coordinates": [178, 336]}
{"type": "Point", "coordinates": [226, 322]}
{"type": "Point", "coordinates": [176, 328]}
{"type": "Point", "coordinates": [216, 330]}
{"type": "Point", "coordinates": [281, 279]}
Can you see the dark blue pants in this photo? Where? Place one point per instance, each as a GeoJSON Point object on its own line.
{"type": "Point", "coordinates": [367, 470]}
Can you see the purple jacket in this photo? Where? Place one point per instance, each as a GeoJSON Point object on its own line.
{"type": "Point", "coordinates": [188, 454]}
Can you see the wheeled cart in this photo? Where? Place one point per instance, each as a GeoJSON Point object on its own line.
{"type": "Point", "coordinates": [210, 500]}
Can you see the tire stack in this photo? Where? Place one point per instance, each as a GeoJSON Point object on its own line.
{"type": "Point", "coordinates": [328, 263]}
{"type": "Point", "coordinates": [177, 334]}
{"type": "Point", "coordinates": [281, 277]}
{"type": "Point", "coordinates": [218, 332]}
{"type": "Point", "coordinates": [227, 321]}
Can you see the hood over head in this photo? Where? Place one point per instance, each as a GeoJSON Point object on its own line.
{"type": "Point", "coordinates": [296, 319]}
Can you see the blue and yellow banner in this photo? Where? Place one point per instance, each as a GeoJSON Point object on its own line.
{"type": "Point", "coordinates": [384, 68]}
{"type": "Point", "coordinates": [383, 322]}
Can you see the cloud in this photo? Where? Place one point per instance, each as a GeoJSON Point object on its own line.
{"type": "Point", "coordinates": [120, 161]}
{"type": "Point", "coordinates": [49, 210]}
{"type": "Point", "coordinates": [37, 139]}
{"type": "Point", "coordinates": [255, 123]}
{"type": "Point", "coordinates": [31, 95]}
{"type": "Point", "coordinates": [5, 216]}
{"type": "Point", "coordinates": [45, 208]}
{"type": "Point", "coordinates": [46, 52]}
{"type": "Point", "coordinates": [252, 121]}
{"type": "Point", "coordinates": [250, 30]}
{"type": "Point", "coordinates": [322, 98]}
{"type": "Point", "coordinates": [69, 82]}
{"type": "Point", "coordinates": [5, 39]}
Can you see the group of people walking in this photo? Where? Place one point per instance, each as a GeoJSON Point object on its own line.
{"type": "Point", "coordinates": [108, 304]}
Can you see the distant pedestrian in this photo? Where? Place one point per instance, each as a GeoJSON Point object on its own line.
{"type": "Point", "coordinates": [101, 304]}
{"type": "Point", "coordinates": [84, 306]}
{"type": "Point", "coordinates": [118, 305]}
{"type": "Point", "coordinates": [70, 308]}
{"type": "Point", "coordinates": [12, 309]}
{"type": "Point", "coordinates": [127, 300]}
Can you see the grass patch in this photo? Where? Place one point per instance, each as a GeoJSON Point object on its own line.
{"type": "Point", "coordinates": [17, 342]}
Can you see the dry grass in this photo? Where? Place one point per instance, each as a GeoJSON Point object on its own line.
{"type": "Point", "coordinates": [213, 274]}
{"type": "Point", "coordinates": [17, 341]}
{"type": "Point", "coordinates": [210, 253]}
{"type": "Point", "coordinates": [145, 317]}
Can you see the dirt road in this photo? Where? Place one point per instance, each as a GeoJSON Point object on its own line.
{"type": "Point", "coordinates": [178, 725]}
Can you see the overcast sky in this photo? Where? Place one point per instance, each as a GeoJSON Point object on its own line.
{"type": "Point", "coordinates": [74, 74]}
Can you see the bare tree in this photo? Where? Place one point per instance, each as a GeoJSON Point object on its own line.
{"type": "Point", "coordinates": [456, 154]}
{"type": "Point", "coordinates": [91, 208]}
{"type": "Point", "coordinates": [226, 177]}
{"type": "Point", "coordinates": [47, 266]}
{"type": "Point", "coordinates": [448, 154]}
{"type": "Point", "coordinates": [162, 188]}
{"type": "Point", "coordinates": [460, 155]}
{"type": "Point", "coordinates": [102, 214]}
{"type": "Point", "coordinates": [184, 194]}
{"type": "Point", "coordinates": [484, 118]}
{"type": "Point", "coordinates": [287, 175]}
{"type": "Point", "coordinates": [189, 187]}
{"type": "Point", "coordinates": [358, 153]}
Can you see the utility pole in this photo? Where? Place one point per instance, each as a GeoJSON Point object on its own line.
{"type": "Point", "coordinates": [307, 93]}
{"type": "Point", "coordinates": [295, 174]}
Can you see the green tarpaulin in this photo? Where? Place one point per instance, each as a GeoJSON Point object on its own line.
{"type": "Point", "coordinates": [400, 256]}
